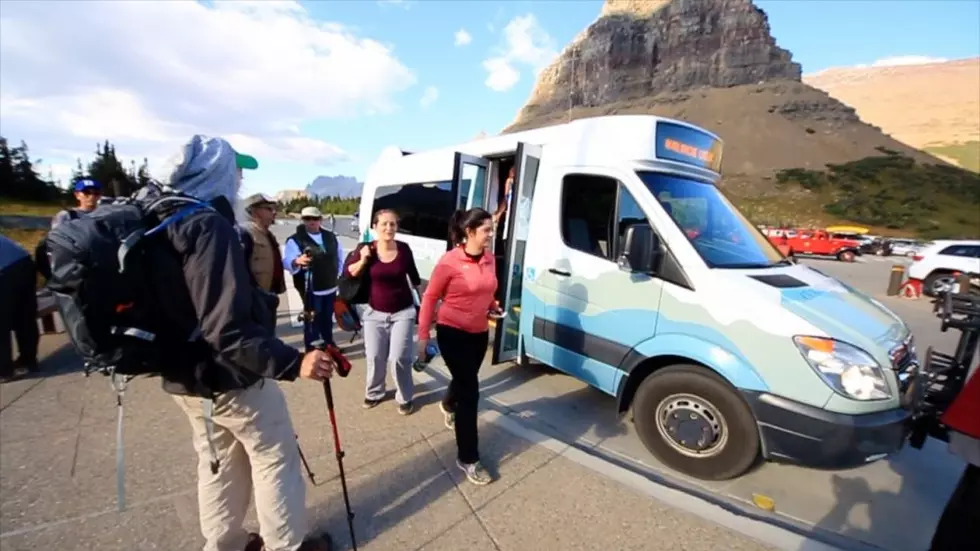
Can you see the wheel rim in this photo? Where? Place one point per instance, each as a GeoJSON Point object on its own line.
{"type": "Point", "coordinates": [691, 426]}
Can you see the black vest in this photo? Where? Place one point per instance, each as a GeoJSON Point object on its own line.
{"type": "Point", "coordinates": [324, 265]}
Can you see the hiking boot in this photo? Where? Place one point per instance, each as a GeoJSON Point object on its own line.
{"type": "Point", "coordinates": [255, 542]}
{"type": "Point", "coordinates": [369, 403]}
{"type": "Point", "coordinates": [321, 542]}
{"type": "Point", "coordinates": [450, 417]}
{"type": "Point", "coordinates": [406, 408]}
{"type": "Point", "coordinates": [475, 473]}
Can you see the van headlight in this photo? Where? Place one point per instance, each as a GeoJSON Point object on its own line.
{"type": "Point", "coordinates": [848, 370]}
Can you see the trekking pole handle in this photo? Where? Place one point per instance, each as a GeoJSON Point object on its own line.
{"type": "Point", "coordinates": [343, 366]}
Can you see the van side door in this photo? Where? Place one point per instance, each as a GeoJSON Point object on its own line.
{"type": "Point", "coordinates": [507, 339]}
{"type": "Point", "coordinates": [593, 312]}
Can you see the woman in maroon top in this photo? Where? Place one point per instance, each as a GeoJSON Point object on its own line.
{"type": "Point", "coordinates": [389, 316]}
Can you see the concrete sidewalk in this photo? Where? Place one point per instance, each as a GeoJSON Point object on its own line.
{"type": "Point", "coordinates": [57, 475]}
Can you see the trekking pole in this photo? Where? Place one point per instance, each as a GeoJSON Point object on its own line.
{"type": "Point", "coordinates": [343, 368]}
{"type": "Point", "coordinates": [302, 457]}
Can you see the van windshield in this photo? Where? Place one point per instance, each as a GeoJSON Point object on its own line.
{"type": "Point", "coordinates": [719, 232]}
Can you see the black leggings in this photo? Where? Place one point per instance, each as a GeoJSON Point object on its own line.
{"type": "Point", "coordinates": [463, 353]}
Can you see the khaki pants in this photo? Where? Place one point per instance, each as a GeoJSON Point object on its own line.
{"type": "Point", "coordinates": [257, 450]}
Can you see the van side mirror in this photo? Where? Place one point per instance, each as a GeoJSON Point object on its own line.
{"type": "Point", "coordinates": [641, 250]}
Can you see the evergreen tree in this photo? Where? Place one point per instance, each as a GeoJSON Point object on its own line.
{"type": "Point", "coordinates": [143, 174]}
{"type": "Point", "coordinates": [107, 170]}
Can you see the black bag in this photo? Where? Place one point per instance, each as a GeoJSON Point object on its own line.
{"type": "Point", "coordinates": [41, 251]}
{"type": "Point", "coordinates": [354, 290]}
{"type": "Point", "coordinates": [101, 282]}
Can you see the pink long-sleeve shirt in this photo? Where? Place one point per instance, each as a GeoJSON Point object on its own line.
{"type": "Point", "coordinates": [466, 287]}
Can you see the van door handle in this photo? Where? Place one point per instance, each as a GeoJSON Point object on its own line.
{"type": "Point", "coordinates": [556, 271]}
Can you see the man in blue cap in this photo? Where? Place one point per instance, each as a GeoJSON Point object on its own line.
{"type": "Point", "coordinates": [87, 193]}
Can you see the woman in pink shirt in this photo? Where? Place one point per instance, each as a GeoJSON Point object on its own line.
{"type": "Point", "coordinates": [465, 280]}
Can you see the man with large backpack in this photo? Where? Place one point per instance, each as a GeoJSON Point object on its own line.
{"type": "Point", "coordinates": [188, 313]}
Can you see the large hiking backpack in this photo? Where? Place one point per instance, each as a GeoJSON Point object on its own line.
{"type": "Point", "coordinates": [98, 277]}
{"type": "Point", "coordinates": [41, 251]}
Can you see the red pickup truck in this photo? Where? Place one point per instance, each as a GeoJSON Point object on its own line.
{"type": "Point", "coordinates": [815, 242]}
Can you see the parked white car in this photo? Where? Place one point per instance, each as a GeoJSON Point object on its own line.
{"type": "Point", "coordinates": [904, 247]}
{"type": "Point", "coordinates": [938, 263]}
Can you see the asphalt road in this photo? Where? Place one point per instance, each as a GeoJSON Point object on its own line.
{"type": "Point", "coordinates": [891, 504]}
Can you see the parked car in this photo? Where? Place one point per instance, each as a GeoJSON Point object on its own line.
{"type": "Point", "coordinates": [905, 247]}
{"type": "Point", "coordinates": [817, 242]}
{"type": "Point", "coordinates": [879, 246]}
{"type": "Point", "coordinates": [938, 263]}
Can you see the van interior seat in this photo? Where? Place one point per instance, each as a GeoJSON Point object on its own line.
{"type": "Point", "coordinates": [580, 238]}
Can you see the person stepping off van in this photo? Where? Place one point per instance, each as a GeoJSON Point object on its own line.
{"type": "Point", "coordinates": [465, 280]}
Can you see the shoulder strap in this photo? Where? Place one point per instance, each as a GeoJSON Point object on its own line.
{"type": "Point", "coordinates": [247, 242]}
{"type": "Point", "coordinates": [136, 236]}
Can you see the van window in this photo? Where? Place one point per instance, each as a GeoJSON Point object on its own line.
{"type": "Point", "coordinates": [595, 212]}
{"type": "Point", "coordinates": [587, 207]}
{"type": "Point", "coordinates": [424, 209]}
{"type": "Point", "coordinates": [721, 235]}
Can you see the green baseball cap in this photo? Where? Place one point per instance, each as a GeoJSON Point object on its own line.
{"type": "Point", "coordinates": [245, 162]}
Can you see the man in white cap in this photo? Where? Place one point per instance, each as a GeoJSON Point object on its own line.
{"type": "Point", "coordinates": [227, 382]}
{"type": "Point", "coordinates": [314, 251]}
{"type": "Point", "coordinates": [261, 247]}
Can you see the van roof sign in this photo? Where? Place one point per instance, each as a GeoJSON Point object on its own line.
{"type": "Point", "coordinates": [683, 144]}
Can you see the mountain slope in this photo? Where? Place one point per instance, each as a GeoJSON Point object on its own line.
{"type": "Point", "coordinates": [934, 106]}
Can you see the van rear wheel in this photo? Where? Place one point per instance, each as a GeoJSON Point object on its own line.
{"type": "Point", "coordinates": [695, 423]}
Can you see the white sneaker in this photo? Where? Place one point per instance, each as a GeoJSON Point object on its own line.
{"type": "Point", "coordinates": [475, 473]}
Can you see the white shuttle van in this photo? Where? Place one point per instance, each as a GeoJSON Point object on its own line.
{"type": "Point", "coordinates": [621, 263]}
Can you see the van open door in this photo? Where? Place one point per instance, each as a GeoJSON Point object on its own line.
{"type": "Point", "coordinates": [506, 342]}
{"type": "Point", "coordinates": [470, 181]}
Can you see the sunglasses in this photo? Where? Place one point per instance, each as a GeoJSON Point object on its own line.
{"type": "Point", "coordinates": [311, 219]}
{"type": "Point", "coordinates": [90, 192]}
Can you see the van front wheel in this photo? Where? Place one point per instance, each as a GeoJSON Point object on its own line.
{"type": "Point", "coordinates": [696, 424]}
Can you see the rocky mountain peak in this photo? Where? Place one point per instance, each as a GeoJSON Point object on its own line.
{"type": "Point", "coordinates": [637, 8]}
{"type": "Point", "coordinates": [642, 48]}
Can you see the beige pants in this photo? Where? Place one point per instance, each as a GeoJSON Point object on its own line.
{"type": "Point", "coordinates": [257, 450]}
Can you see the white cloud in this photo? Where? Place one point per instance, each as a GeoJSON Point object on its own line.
{"type": "Point", "coordinates": [462, 38]}
{"type": "Point", "coordinates": [524, 43]}
{"type": "Point", "coordinates": [147, 75]}
{"type": "Point", "coordinates": [429, 97]}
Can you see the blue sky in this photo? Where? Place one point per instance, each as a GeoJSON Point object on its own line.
{"type": "Point", "coordinates": [820, 33]}
{"type": "Point", "coordinates": [321, 87]}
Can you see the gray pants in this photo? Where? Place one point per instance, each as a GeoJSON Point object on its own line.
{"type": "Point", "coordinates": [388, 339]}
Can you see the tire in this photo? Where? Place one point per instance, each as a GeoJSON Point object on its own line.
{"type": "Point", "coordinates": [737, 442]}
{"type": "Point", "coordinates": [846, 256]}
{"type": "Point", "coordinates": [931, 281]}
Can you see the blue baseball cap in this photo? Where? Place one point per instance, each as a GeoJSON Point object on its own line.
{"type": "Point", "coordinates": [86, 184]}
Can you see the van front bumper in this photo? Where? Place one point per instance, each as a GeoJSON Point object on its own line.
{"type": "Point", "coordinates": [797, 433]}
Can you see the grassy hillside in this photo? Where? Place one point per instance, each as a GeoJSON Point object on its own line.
{"type": "Point", "coordinates": [889, 191]}
{"type": "Point", "coordinates": [21, 207]}
{"type": "Point", "coordinates": [966, 155]}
